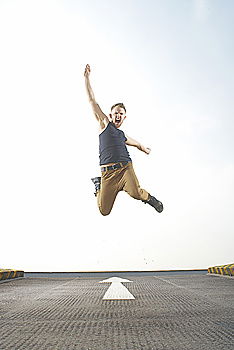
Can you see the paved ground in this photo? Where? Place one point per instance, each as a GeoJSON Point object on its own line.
{"type": "Point", "coordinates": [169, 312]}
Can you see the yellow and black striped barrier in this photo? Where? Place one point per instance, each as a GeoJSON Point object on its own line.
{"type": "Point", "coordinates": [225, 270]}
{"type": "Point", "coordinates": [6, 274]}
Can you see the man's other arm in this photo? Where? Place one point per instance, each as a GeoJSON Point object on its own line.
{"type": "Point", "coordinates": [134, 143]}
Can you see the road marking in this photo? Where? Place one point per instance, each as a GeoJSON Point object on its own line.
{"type": "Point", "coordinates": [117, 290]}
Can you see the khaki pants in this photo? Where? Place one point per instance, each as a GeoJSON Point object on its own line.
{"type": "Point", "coordinates": [114, 181]}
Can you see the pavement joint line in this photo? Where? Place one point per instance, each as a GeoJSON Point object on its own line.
{"type": "Point", "coordinates": [173, 284]}
{"type": "Point", "coordinates": [56, 287]}
{"type": "Point", "coordinates": [12, 279]}
{"type": "Point", "coordinates": [31, 302]}
{"type": "Point", "coordinates": [208, 300]}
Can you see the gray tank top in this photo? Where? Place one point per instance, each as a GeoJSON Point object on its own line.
{"type": "Point", "coordinates": [112, 147]}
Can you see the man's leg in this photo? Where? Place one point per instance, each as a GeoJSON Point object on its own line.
{"type": "Point", "coordinates": [131, 184]}
{"type": "Point", "coordinates": [107, 194]}
{"type": "Point", "coordinates": [132, 187]}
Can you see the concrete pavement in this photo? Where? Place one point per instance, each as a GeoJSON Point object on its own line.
{"type": "Point", "coordinates": [174, 312]}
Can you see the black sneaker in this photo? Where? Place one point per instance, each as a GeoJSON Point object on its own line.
{"type": "Point", "coordinates": [97, 183]}
{"type": "Point", "coordinates": [155, 203]}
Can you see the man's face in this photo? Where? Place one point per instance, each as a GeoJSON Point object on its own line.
{"type": "Point", "coordinates": [117, 116]}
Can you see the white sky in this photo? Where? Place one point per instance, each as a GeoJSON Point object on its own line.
{"type": "Point", "coordinates": [171, 63]}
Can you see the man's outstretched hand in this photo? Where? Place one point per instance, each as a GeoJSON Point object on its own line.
{"type": "Point", "coordinates": [144, 149]}
{"type": "Point", "coordinates": [87, 70]}
{"type": "Point", "coordinates": [147, 150]}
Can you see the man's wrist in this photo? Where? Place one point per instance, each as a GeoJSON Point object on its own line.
{"type": "Point", "coordinates": [139, 146]}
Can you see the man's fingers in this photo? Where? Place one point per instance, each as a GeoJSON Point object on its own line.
{"type": "Point", "coordinates": [148, 150]}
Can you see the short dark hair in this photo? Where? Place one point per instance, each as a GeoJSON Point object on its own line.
{"type": "Point", "coordinates": [120, 105]}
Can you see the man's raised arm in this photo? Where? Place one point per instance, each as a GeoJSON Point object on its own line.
{"type": "Point", "coordinates": [100, 116]}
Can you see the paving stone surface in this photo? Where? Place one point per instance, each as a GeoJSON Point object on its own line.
{"type": "Point", "coordinates": [190, 312]}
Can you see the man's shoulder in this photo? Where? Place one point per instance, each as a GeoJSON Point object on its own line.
{"type": "Point", "coordinates": [103, 125]}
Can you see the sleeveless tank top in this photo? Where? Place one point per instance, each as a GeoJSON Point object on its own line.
{"type": "Point", "coordinates": [112, 147]}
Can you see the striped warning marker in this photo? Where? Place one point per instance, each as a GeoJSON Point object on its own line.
{"type": "Point", "coordinates": [225, 270]}
{"type": "Point", "coordinates": [10, 274]}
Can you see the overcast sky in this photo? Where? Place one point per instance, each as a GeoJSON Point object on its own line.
{"type": "Point", "coordinates": [171, 63]}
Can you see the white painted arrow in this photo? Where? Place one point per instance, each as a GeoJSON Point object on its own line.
{"type": "Point", "coordinates": [117, 290]}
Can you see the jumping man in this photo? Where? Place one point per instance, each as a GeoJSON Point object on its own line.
{"type": "Point", "coordinates": [117, 173]}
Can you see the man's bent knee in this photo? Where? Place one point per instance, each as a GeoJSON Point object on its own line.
{"type": "Point", "coordinates": [104, 212]}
